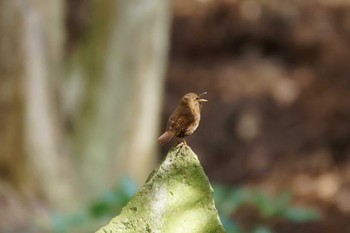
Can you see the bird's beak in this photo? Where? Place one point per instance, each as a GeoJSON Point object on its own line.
{"type": "Point", "coordinates": [203, 100]}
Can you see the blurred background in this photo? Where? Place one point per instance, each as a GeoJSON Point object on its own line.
{"type": "Point", "coordinates": [86, 88]}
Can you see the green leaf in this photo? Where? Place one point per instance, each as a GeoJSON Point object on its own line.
{"type": "Point", "coordinates": [128, 186]}
{"type": "Point", "coordinates": [282, 202]}
{"type": "Point", "coordinates": [264, 203]}
{"type": "Point", "coordinates": [230, 225]}
{"type": "Point", "coordinates": [301, 214]}
{"type": "Point", "coordinates": [262, 229]}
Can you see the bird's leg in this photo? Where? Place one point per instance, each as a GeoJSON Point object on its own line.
{"type": "Point", "coordinates": [176, 144]}
{"type": "Point", "coordinates": [183, 143]}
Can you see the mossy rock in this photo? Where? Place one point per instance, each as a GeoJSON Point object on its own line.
{"type": "Point", "coordinates": [176, 198]}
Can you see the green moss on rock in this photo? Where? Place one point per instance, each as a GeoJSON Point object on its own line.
{"type": "Point", "coordinates": [176, 198]}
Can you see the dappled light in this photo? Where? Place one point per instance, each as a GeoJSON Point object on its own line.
{"type": "Point", "coordinates": [87, 88]}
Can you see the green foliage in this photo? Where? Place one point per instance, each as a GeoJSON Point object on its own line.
{"type": "Point", "coordinates": [113, 200]}
{"type": "Point", "coordinates": [106, 207]}
{"type": "Point", "coordinates": [262, 229]}
{"type": "Point", "coordinates": [230, 225]}
{"type": "Point", "coordinates": [228, 200]}
{"type": "Point", "coordinates": [301, 215]}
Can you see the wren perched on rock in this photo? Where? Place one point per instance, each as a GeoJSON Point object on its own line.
{"type": "Point", "coordinates": [185, 118]}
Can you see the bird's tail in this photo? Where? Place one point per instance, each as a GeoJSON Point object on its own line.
{"type": "Point", "coordinates": [165, 137]}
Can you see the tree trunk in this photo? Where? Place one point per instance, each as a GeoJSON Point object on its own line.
{"type": "Point", "coordinates": [120, 68]}
{"type": "Point", "coordinates": [76, 132]}
{"type": "Point", "coordinates": [31, 44]}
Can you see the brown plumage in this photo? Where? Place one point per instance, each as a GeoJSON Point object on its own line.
{"type": "Point", "coordinates": [185, 118]}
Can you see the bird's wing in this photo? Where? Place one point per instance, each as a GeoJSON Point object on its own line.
{"type": "Point", "coordinates": [180, 123]}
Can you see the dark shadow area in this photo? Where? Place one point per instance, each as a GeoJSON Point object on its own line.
{"type": "Point", "coordinates": [278, 79]}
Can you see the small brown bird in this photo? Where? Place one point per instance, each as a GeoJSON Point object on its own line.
{"type": "Point", "coordinates": [185, 118]}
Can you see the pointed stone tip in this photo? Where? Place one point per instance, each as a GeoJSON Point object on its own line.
{"type": "Point", "coordinates": [181, 150]}
{"type": "Point", "coordinates": [176, 198]}
{"type": "Point", "coordinates": [180, 146]}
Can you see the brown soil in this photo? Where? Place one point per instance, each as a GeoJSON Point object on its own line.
{"type": "Point", "coordinates": [278, 116]}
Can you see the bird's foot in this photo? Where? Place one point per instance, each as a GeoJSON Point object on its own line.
{"type": "Point", "coordinates": [182, 144]}
{"type": "Point", "coordinates": [179, 143]}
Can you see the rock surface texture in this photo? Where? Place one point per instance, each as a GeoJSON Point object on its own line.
{"type": "Point", "coordinates": [176, 198]}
